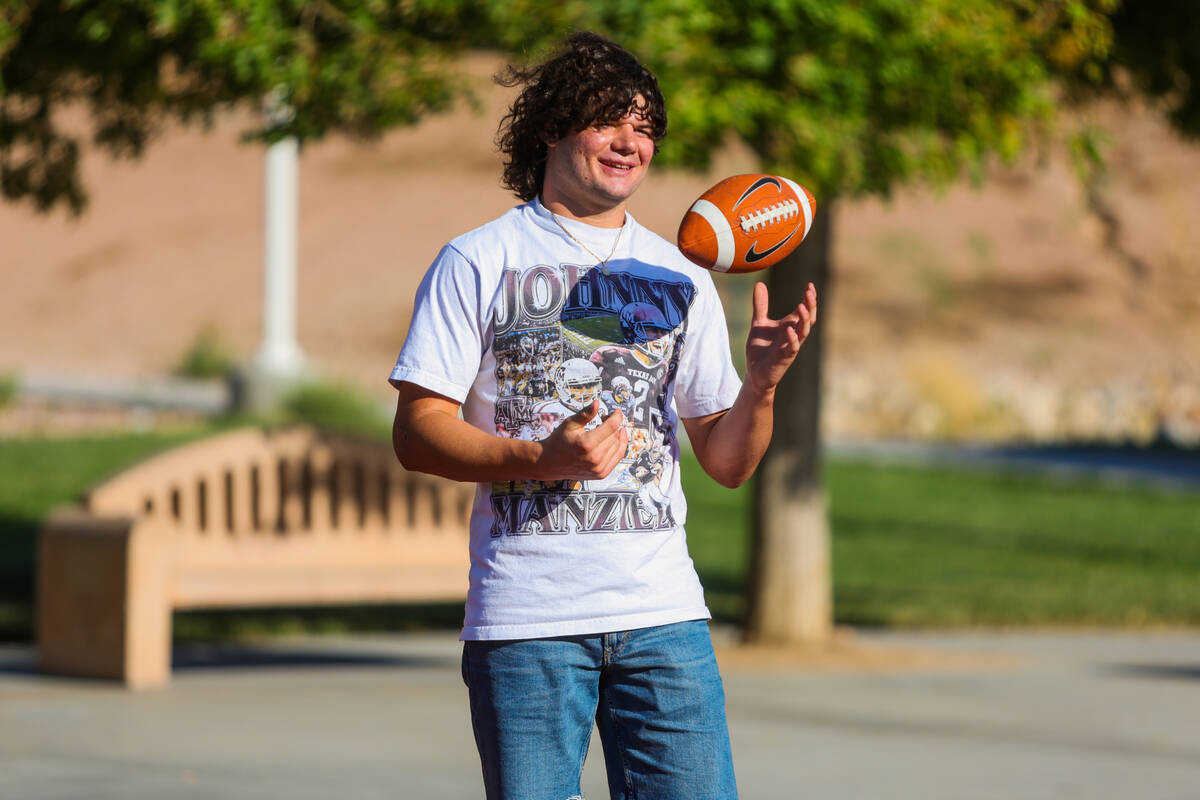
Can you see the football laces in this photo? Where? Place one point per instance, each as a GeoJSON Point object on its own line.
{"type": "Point", "coordinates": [776, 212]}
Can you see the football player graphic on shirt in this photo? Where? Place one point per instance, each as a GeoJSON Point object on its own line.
{"type": "Point", "coordinates": [645, 327]}
{"type": "Point", "coordinates": [647, 470]}
{"type": "Point", "coordinates": [619, 395]}
{"type": "Point", "coordinates": [576, 384]}
{"type": "Point", "coordinates": [640, 360]}
{"type": "Point", "coordinates": [620, 344]}
{"type": "Point", "coordinates": [647, 341]}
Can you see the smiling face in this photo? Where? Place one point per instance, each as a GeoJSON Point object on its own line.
{"type": "Point", "coordinates": [591, 173]}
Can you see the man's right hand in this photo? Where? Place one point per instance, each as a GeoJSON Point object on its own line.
{"type": "Point", "coordinates": [572, 452]}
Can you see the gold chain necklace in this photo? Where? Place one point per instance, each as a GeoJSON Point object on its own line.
{"type": "Point", "coordinates": [603, 261]}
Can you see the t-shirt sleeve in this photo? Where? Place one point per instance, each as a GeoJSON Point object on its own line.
{"type": "Point", "coordinates": [445, 339]}
{"type": "Point", "coordinates": [707, 382]}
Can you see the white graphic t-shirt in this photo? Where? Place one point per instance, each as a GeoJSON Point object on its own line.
{"type": "Point", "coordinates": [517, 322]}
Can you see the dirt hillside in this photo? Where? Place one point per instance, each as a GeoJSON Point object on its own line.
{"type": "Point", "coordinates": [1011, 310]}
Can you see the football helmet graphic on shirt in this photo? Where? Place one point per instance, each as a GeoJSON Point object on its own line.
{"type": "Point", "coordinates": [577, 381]}
{"type": "Point", "coordinates": [646, 328]}
{"type": "Point", "coordinates": [622, 391]}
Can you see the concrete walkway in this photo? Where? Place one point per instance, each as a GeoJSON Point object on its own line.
{"type": "Point", "coordinates": [1090, 715]}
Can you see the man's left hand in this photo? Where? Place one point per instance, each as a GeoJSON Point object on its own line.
{"type": "Point", "coordinates": [772, 344]}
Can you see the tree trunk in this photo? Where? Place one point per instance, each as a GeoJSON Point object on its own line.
{"type": "Point", "coordinates": [790, 587]}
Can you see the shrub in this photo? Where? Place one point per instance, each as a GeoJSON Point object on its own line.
{"type": "Point", "coordinates": [8, 388]}
{"type": "Point", "coordinates": [207, 357]}
{"type": "Point", "coordinates": [336, 407]}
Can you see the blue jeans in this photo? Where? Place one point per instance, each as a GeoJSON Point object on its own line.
{"type": "Point", "coordinates": [654, 694]}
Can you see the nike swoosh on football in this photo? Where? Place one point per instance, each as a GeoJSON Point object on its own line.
{"type": "Point", "coordinates": [754, 187]}
{"type": "Point", "coordinates": [753, 255]}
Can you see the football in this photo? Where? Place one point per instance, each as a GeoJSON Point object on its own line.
{"type": "Point", "coordinates": [746, 223]}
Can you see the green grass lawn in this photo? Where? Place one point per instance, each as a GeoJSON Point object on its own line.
{"type": "Point", "coordinates": [939, 547]}
{"type": "Point", "coordinates": [36, 475]}
{"type": "Point", "coordinates": [916, 546]}
{"type": "Point", "coordinates": [912, 546]}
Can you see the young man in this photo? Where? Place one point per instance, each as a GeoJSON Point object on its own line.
{"type": "Point", "coordinates": [583, 603]}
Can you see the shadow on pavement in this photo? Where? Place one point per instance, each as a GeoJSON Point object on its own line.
{"type": "Point", "coordinates": [1174, 672]}
{"type": "Point", "coordinates": [17, 660]}
{"type": "Point", "coordinates": [195, 656]}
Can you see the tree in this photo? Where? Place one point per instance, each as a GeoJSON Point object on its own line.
{"type": "Point", "coordinates": [848, 99]}
{"type": "Point", "coordinates": [357, 66]}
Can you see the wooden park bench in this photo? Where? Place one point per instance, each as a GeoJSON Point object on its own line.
{"type": "Point", "coordinates": [248, 518]}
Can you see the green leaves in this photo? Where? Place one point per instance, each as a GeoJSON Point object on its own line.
{"type": "Point", "coordinates": [358, 66]}
{"type": "Point", "coordinates": [846, 97]}
{"type": "Point", "coordinates": [849, 97]}
{"type": "Point", "coordinates": [852, 98]}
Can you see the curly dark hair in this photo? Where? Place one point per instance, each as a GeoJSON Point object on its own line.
{"type": "Point", "coordinates": [591, 79]}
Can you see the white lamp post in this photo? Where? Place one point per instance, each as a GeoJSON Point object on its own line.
{"type": "Point", "coordinates": [279, 362]}
{"type": "Point", "coordinates": [279, 352]}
